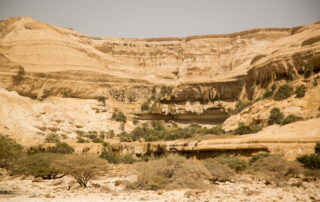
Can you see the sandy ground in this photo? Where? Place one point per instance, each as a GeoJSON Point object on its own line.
{"type": "Point", "coordinates": [104, 189]}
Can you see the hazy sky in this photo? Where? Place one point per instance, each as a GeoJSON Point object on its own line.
{"type": "Point", "coordinates": [161, 18]}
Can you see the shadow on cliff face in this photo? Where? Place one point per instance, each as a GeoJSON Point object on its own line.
{"type": "Point", "coordinates": [210, 116]}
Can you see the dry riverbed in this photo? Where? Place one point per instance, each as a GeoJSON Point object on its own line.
{"type": "Point", "coordinates": [110, 188]}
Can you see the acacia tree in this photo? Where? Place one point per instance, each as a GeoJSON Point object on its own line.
{"type": "Point", "coordinates": [40, 165]}
{"type": "Point", "coordinates": [10, 151]}
{"type": "Point", "coordinates": [82, 168]}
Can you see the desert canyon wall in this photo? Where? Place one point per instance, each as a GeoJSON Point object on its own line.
{"type": "Point", "coordinates": [202, 76]}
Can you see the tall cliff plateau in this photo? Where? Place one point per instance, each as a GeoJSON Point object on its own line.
{"type": "Point", "coordinates": [60, 75]}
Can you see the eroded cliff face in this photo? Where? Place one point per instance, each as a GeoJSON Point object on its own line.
{"type": "Point", "coordinates": [64, 55]}
{"type": "Point", "coordinates": [202, 76]}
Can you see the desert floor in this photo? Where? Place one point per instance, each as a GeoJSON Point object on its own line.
{"type": "Point", "coordinates": [108, 188]}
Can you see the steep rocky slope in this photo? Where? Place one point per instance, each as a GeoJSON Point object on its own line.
{"type": "Point", "coordinates": [66, 81]}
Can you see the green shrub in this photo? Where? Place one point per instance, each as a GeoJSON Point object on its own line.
{"type": "Point", "coordinates": [82, 140]}
{"type": "Point", "coordinates": [39, 165]}
{"type": "Point", "coordinates": [64, 136]}
{"type": "Point", "coordinates": [127, 159]}
{"type": "Point", "coordinates": [10, 151]}
{"type": "Point", "coordinates": [300, 91]}
{"type": "Point", "coordinates": [93, 136]}
{"type": "Point", "coordinates": [243, 129]}
{"type": "Point", "coordinates": [52, 138]}
{"type": "Point", "coordinates": [274, 168]}
{"type": "Point", "coordinates": [232, 162]}
{"type": "Point", "coordinates": [102, 135]}
{"type": "Point", "coordinates": [275, 116]}
{"type": "Point", "coordinates": [66, 95]}
{"type": "Point", "coordinates": [62, 148]}
{"type": "Point", "coordinates": [135, 121]}
{"type": "Point", "coordinates": [290, 119]}
{"type": "Point", "coordinates": [257, 157]}
{"type": "Point", "coordinates": [119, 116]}
{"type": "Point", "coordinates": [308, 71]}
{"type": "Point", "coordinates": [267, 94]}
{"type": "Point", "coordinates": [216, 130]}
{"type": "Point", "coordinates": [283, 92]}
{"type": "Point", "coordinates": [145, 106]}
{"type": "Point", "coordinates": [80, 132]}
{"type": "Point", "coordinates": [166, 90]}
{"type": "Point", "coordinates": [111, 134]}
{"type": "Point", "coordinates": [318, 108]}
{"type": "Point", "coordinates": [125, 137]}
{"type": "Point", "coordinates": [114, 158]}
{"type": "Point", "coordinates": [102, 100]}
{"type": "Point", "coordinates": [311, 161]}
{"type": "Point", "coordinates": [36, 149]}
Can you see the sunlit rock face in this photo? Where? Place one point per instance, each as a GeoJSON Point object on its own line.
{"type": "Point", "coordinates": [206, 74]}
{"type": "Point", "coordinates": [63, 54]}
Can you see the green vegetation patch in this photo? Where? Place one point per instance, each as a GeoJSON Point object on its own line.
{"type": "Point", "coordinates": [300, 91]}
{"type": "Point", "coordinates": [275, 116]}
{"type": "Point", "coordinates": [267, 94]}
{"type": "Point", "coordinates": [232, 162]}
{"type": "Point", "coordinates": [119, 116]}
{"type": "Point", "coordinates": [114, 158]}
{"type": "Point", "coordinates": [145, 106]}
{"type": "Point", "coordinates": [62, 148]}
{"type": "Point", "coordinates": [240, 107]}
{"type": "Point", "coordinates": [283, 92]}
{"type": "Point", "coordinates": [52, 138]}
{"type": "Point", "coordinates": [243, 129]}
{"type": "Point", "coordinates": [10, 151]}
{"type": "Point", "coordinates": [159, 132]}
{"type": "Point", "coordinates": [290, 119]}
{"type": "Point", "coordinates": [311, 161]}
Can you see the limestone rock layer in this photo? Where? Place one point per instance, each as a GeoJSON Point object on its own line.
{"type": "Point", "coordinates": [45, 60]}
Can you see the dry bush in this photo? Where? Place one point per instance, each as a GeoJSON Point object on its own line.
{"type": "Point", "coordinates": [171, 172]}
{"type": "Point", "coordinates": [275, 168]}
{"type": "Point", "coordinates": [219, 172]}
{"type": "Point", "coordinates": [232, 162]}
{"type": "Point", "coordinates": [82, 168]}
